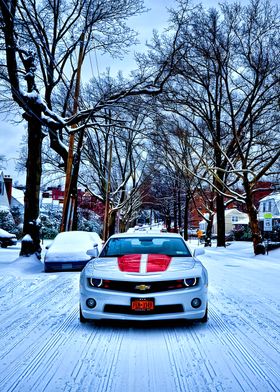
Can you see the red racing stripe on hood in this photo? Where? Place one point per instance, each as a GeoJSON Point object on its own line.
{"type": "Point", "coordinates": [129, 263]}
{"type": "Point", "coordinates": [158, 263]}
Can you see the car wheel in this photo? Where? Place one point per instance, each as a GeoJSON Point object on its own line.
{"type": "Point", "coordinates": [82, 318]}
{"type": "Point", "coordinates": [4, 246]}
{"type": "Point", "coordinates": [205, 317]}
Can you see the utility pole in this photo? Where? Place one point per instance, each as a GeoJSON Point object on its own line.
{"type": "Point", "coordinates": [69, 198]}
{"type": "Point", "coordinates": [107, 200]}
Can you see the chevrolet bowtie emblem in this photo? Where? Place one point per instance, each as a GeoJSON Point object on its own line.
{"type": "Point", "coordinates": [143, 287]}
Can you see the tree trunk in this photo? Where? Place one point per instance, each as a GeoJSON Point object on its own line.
{"type": "Point", "coordinates": [168, 221]}
{"type": "Point", "coordinates": [31, 224]}
{"type": "Point", "coordinates": [179, 210]}
{"type": "Point", "coordinates": [112, 223]}
{"type": "Point", "coordinates": [253, 220]}
{"type": "Point", "coordinates": [208, 233]}
{"type": "Point", "coordinates": [186, 218]}
{"type": "Point", "coordinates": [220, 211]}
{"type": "Point", "coordinates": [175, 207]}
{"type": "Point", "coordinates": [122, 226]}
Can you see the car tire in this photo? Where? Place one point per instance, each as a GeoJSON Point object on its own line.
{"type": "Point", "coordinates": [82, 318]}
{"type": "Point", "coordinates": [4, 246]}
{"type": "Point", "coordinates": [205, 317]}
{"type": "Point", "coordinates": [46, 269]}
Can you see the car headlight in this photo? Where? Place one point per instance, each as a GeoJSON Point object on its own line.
{"type": "Point", "coordinates": [93, 282]}
{"type": "Point", "coordinates": [190, 282]}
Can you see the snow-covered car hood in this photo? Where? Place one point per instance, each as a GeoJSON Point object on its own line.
{"type": "Point", "coordinates": [6, 234]}
{"type": "Point", "coordinates": [134, 266]}
{"type": "Point", "coordinates": [66, 256]}
{"type": "Point", "coordinates": [72, 246]}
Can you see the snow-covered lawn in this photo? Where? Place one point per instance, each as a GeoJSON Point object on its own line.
{"type": "Point", "coordinates": [43, 347]}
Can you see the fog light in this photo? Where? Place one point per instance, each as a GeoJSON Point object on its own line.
{"type": "Point", "coordinates": [196, 302]}
{"type": "Point", "coordinates": [91, 303]}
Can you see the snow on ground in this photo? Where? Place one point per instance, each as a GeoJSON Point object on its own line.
{"type": "Point", "coordinates": [43, 347]}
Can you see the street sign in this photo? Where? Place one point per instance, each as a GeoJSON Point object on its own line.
{"type": "Point", "coordinates": [267, 222]}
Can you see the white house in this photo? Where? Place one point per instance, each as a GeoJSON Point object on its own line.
{"type": "Point", "coordinates": [4, 200]}
{"type": "Point", "coordinates": [232, 217]}
{"type": "Point", "coordinates": [270, 204]}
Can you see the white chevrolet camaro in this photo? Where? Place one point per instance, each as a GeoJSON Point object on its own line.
{"type": "Point", "coordinates": [142, 276]}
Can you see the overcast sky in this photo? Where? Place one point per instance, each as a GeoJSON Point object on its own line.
{"type": "Point", "coordinates": [156, 18]}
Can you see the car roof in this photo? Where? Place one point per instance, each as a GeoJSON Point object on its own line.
{"type": "Point", "coordinates": [76, 238]}
{"type": "Point", "coordinates": [146, 234]}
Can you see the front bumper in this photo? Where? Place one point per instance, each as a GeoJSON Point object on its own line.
{"type": "Point", "coordinates": [64, 266]}
{"type": "Point", "coordinates": [4, 242]}
{"type": "Point", "coordinates": [175, 304]}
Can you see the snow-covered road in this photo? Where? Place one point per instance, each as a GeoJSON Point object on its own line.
{"type": "Point", "coordinates": [43, 347]}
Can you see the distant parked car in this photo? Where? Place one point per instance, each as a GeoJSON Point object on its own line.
{"type": "Point", "coordinates": [7, 239]}
{"type": "Point", "coordinates": [192, 232]}
{"type": "Point", "coordinates": [144, 276]}
{"type": "Point", "coordinates": [229, 236]}
{"type": "Point", "coordinates": [69, 249]}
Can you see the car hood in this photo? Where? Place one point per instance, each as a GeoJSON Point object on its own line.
{"type": "Point", "coordinates": [60, 255]}
{"type": "Point", "coordinates": [135, 266]}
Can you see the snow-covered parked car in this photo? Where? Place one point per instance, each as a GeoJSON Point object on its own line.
{"type": "Point", "coordinates": [69, 249]}
{"type": "Point", "coordinates": [7, 239]}
{"type": "Point", "coordinates": [143, 276]}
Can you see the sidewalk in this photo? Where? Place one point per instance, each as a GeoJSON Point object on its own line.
{"type": "Point", "coordinates": [10, 254]}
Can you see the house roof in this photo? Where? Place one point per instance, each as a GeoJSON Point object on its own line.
{"type": "Point", "coordinates": [243, 216]}
{"type": "Point", "coordinates": [272, 196]}
{"type": "Point", "coordinates": [18, 194]}
{"type": "Point", "coordinates": [234, 211]}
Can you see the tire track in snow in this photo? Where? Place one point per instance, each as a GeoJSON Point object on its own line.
{"type": "Point", "coordinates": [90, 365]}
{"type": "Point", "coordinates": [28, 289]}
{"type": "Point", "coordinates": [6, 285]}
{"type": "Point", "coordinates": [102, 356]}
{"type": "Point", "coordinates": [108, 358]}
{"type": "Point", "coordinates": [144, 361]}
{"type": "Point", "coordinates": [241, 355]}
{"type": "Point", "coordinates": [262, 329]}
{"type": "Point", "coordinates": [27, 327]}
{"type": "Point", "coordinates": [193, 368]}
{"type": "Point", "coordinates": [251, 315]}
{"type": "Point", "coordinates": [23, 293]}
{"type": "Point", "coordinates": [50, 354]}
{"type": "Point", "coordinates": [33, 358]}
{"type": "Point", "coordinates": [24, 322]}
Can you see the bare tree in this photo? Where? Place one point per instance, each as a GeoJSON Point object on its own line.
{"type": "Point", "coordinates": [226, 88]}
{"type": "Point", "coordinates": [43, 37]}
{"type": "Point", "coordinates": [123, 127]}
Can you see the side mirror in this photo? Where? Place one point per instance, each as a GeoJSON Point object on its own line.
{"type": "Point", "coordinates": [48, 246]}
{"type": "Point", "coordinates": [198, 252]}
{"type": "Point", "coordinates": [93, 252]}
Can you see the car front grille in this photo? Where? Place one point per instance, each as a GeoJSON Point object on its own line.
{"type": "Point", "coordinates": [160, 309]}
{"type": "Point", "coordinates": [143, 287]}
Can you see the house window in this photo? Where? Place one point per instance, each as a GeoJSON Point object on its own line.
{"type": "Point", "coordinates": [1, 188]}
{"type": "Point", "coordinates": [234, 218]}
{"type": "Point", "coordinates": [269, 206]}
{"type": "Point", "coordinates": [263, 207]}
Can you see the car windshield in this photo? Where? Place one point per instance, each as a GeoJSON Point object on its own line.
{"type": "Point", "coordinates": [145, 245]}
